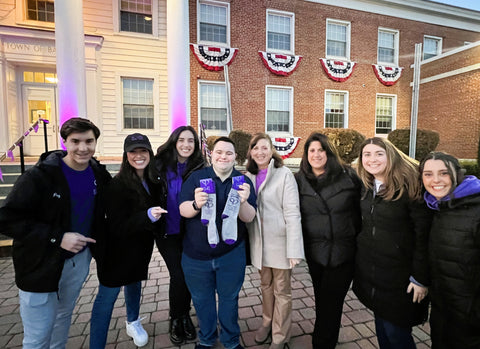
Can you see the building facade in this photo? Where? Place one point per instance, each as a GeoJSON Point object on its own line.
{"type": "Point", "coordinates": [299, 66]}
{"type": "Point", "coordinates": [359, 33]}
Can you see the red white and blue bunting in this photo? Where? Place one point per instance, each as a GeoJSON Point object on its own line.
{"type": "Point", "coordinates": [285, 146]}
{"type": "Point", "coordinates": [280, 64]}
{"type": "Point", "coordinates": [337, 70]}
{"type": "Point", "coordinates": [213, 58]}
{"type": "Point", "coordinates": [387, 75]}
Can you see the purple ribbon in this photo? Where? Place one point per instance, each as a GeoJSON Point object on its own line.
{"type": "Point", "coordinates": [10, 155]}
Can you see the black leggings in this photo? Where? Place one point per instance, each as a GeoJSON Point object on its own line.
{"type": "Point", "coordinates": [170, 247]}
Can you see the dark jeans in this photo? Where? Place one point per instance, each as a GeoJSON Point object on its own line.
{"type": "Point", "coordinates": [170, 247]}
{"type": "Point", "coordinates": [330, 286]}
{"type": "Point", "coordinates": [222, 276]}
{"type": "Point", "coordinates": [447, 332]}
{"type": "Point", "coordinates": [391, 336]}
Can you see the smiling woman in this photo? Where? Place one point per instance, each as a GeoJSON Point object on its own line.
{"type": "Point", "coordinates": [455, 199]}
{"type": "Point", "coordinates": [391, 271]}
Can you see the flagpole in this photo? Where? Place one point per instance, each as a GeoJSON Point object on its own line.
{"type": "Point", "coordinates": [229, 102]}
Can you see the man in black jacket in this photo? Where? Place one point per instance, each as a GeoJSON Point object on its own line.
{"type": "Point", "coordinates": [53, 213]}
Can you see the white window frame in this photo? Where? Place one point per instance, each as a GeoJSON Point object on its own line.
{"type": "Point", "coordinates": [21, 16]}
{"type": "Point", "coordinates": [292, 31]}
{"type": "Point", "coordinates": [119, 76]}
{"type": "Point", "coordinates": [439, 47]}
{"type": "Point", "coordinates": [345, 107]}
{"type": "Point", "coordinates": [347, 24]}
{"type": "Point", "coordinates": [394, 113]}
{"type": "Point", "coordinates": [213, 3]}
{"type": "Point", "coordinates": [396, 34]}
{"type": "Point", "coordinates": [116, 21]}
{"type": "Point", "coordinates": [290, 119]}
{"type": "Point", "coordinates": [209, 133]}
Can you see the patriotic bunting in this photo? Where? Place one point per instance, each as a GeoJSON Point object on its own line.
{"type": "Point", "coordinates": [280, 64]}
{"type": "Point", "coordinates": [285, 146]}
{"type": "Point", "coordinates": [387, 75]}
{"type": "Point", "coordinates": [337, 70]}
{"type": "Point", "coordinates": [213, 58]}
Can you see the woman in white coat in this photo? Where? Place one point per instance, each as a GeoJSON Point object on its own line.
{"type": "Point", "coordinates": [276, 242]}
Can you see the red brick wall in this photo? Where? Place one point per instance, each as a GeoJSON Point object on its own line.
{"type": "Point", "coordinates": [248, 75]}
{"type": "Point", "coordinates": [451, 106]}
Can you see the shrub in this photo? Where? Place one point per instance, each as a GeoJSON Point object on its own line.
{"type": "Point", "coordinates": [347, 141]}
{"type": "Point", "coordinates": [427, 141]}
{"type": "Point", "coordinates": [241, 139]}
{"type": "Point", "coordinates": [210, 141]}
{"type": "Point", "coordinates": [471, 167]}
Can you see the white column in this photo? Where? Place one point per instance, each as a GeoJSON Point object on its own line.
{"type": "Point", "coordinates": [70, 52]}
{"type": "Point", "coordinates": [178, 63]}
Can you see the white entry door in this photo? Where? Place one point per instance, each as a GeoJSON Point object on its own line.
{"type": "Point", "coordinates": [40, 102]}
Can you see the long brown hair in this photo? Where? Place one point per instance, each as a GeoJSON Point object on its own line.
{"type": "Point", "coordinates": [252, 166]}
{"type": "Point", "coordinates": [401, 172]}
{"type": "Point", "coordinates": [334, 165]}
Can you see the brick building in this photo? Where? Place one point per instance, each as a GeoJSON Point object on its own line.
{"type": "Point", "coordinates": [364, 32]}
{"type": "Point", "coordinates": [450, 100]}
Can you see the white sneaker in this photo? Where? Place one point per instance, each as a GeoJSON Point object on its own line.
{"type": "Point", "coordinates": [136, 331]}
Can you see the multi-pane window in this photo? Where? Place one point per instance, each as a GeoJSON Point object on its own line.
{"type": "Point", "coordinates": [388, 46]}
{"type": "Point", "coordinates": [432, 46]}
{"type": "Point", "coordinates": [213, 22]}
{"type": "Point", "coordinates": [338, 39]}
{"type": "Point", "coordinates": [213, 106]}
{"type": "Point", "coordinates": [384, 114]}
{"type": "Point", "coordinates": [279, 109]}
{"type": "Point", "coordinates": [280, 31]}
{"type": "Point", "coordinates": [336, 109]}
{"type": "Point", "coordinates": [136, 16]}
{"type": "Point", "coordinates": [137, 103]}
{"type": "Point", "coordinates": [40, 10]}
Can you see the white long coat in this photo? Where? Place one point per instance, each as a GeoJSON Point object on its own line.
{"type": "Point", "coordinates": [276, 232]}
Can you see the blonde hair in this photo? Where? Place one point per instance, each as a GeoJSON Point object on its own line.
{"type": "Point", "coordinates": [401, 172]}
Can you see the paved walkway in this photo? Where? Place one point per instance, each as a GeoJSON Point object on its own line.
{"type": "Point", "coordinates": [357, 331]}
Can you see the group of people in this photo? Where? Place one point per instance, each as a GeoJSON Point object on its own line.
{"type": "Point", "coordinates": [404, 245]}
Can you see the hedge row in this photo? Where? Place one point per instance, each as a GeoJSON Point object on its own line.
{"type": "Point", "coordinates": [347, 141]}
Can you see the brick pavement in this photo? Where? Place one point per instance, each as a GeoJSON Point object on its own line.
{"type": "Point", "coordinates": [357, 329]}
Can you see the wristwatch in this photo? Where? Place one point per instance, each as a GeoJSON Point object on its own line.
{"type": "Point", "coordinates": [195, 207]}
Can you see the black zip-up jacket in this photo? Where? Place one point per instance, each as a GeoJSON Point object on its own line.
{"type": "Point", "coordinates": [36, 214]}
{"type": "Point", "coordinates": [331, 218]}
{"type": "Point", "coordinates": [392, 246]}
{"type": "Point", "coordinates": [454, 255]}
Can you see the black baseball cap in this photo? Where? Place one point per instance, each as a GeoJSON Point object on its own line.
{"type": "Point", "coordinates": [136, 140]}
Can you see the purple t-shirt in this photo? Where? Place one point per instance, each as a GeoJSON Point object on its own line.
{"type": "Point", "coordinates": [174, 181]}
{"type": "Point", "coordinates": [83, 189]}
{"type": "Point", "coordinates": [260, 178]}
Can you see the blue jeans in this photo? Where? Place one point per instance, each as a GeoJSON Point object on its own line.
{"type": "Point", "coordinates": [47, 316]}
{"type": "Point", "coordinates": [103, 308]}
{"type": "Point", "coordinates": [391, 336]}
{"type": "Point", "coordinates": [223, 275]}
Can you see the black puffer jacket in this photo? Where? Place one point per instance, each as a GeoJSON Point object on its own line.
{"type": "Point", "coordinates": [330, 218]}
{"type": "Point", "coordinates": [454, 256]}
{"type": "Point", "coordinates": [392, 246]}
{"type": "Point", "coordinates": [36, 214]}
{"type": "Point", "coordinates": [124, 251]}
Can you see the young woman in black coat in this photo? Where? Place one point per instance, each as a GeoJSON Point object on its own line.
{"type": "Point", "coordinates": [330, 209]}
{"type": "Point", "coordinates": [391, 271]}
{"type": "Point", "coordinates": [134, 207]}
{"type": "Point", "coordinates": [176, 159]}
{"type": "Point", "coordinates": [454, 252]}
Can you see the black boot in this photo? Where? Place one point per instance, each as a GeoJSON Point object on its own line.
{"type": "Point", "coordinates": [188, 328]}
{"type": "Point", "coordinates": [177, 334]}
